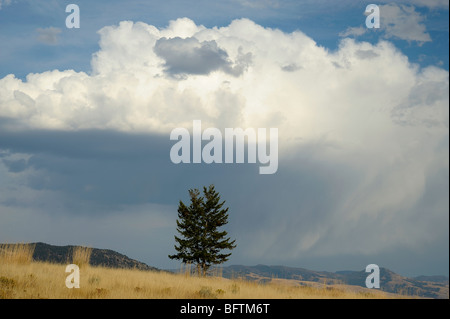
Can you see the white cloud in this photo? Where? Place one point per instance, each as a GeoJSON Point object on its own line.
{"type": "Point", "coordinates": [403, 22]}
{"type": "Point", "coordinates": [129, 87]}
{"type": "Point", "coordinates": [363, 107]}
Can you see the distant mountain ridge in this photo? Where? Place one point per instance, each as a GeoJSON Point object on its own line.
{"type": "Point", "coordinates": [422, 286]}
{"type": "Point", "coordinates": [99, 257]}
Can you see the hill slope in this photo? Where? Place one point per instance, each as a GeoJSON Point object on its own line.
{"type": "Point", "coordinates": [99, 257]}
{"type": "Point", "coordinates": [389, 281]}
{"type": "Point", "coordinates": [422, 286]}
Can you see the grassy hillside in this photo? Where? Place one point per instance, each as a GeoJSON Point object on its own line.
{"type": "Point", "coordinates": [423, 286]}
{"type": "Point", "coordinates": [22, 277]}
{"type": "Point", "coordinates": [45, 280]}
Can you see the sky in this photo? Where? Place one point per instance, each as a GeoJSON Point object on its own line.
{"type": "Point", "coordinates": [362, 116]}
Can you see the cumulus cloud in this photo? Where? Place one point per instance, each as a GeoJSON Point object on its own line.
{"type": "Point", "coordinates": [403, 22]}
{"type": "Point", "coordinates": [48, 35]}
{"type": "Point", "coordinates": [363, 132]}
{"type": "Point", "coordinates": [127, 90]}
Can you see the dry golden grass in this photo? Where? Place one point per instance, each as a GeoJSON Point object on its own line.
{"type": "Point", "coordinates": [81, 256]}
{"type": "Point", "coordinates": [45, 280]}
{"type": "Point", "coordinates": [20, 253]}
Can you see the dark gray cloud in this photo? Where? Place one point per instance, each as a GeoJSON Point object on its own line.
{"type": "Point", "coordinates": [366, 54]}
{"type": "Point", "coordinates": [291, 67]}
{"type": "Point", "coordinates": [109, 168]}
{"type": "Point", "coordinates": [108, 182]}
{"type": "Point", "coordinates": [190, 56]}
{"type": "Point", "coordinates": [15, 166]}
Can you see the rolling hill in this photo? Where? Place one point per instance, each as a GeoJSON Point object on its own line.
{"type": "Point", "coordinates": [423, 286]}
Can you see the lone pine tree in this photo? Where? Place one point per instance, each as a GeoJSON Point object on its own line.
{"type": "Point", "coordinates": [202, 242]}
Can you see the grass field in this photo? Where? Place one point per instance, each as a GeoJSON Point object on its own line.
{"type": "Point", "coordinates": [20, 277]}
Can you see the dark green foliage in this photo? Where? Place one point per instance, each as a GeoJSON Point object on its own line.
{"type": "Point", "coordinates": [202, 241]}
